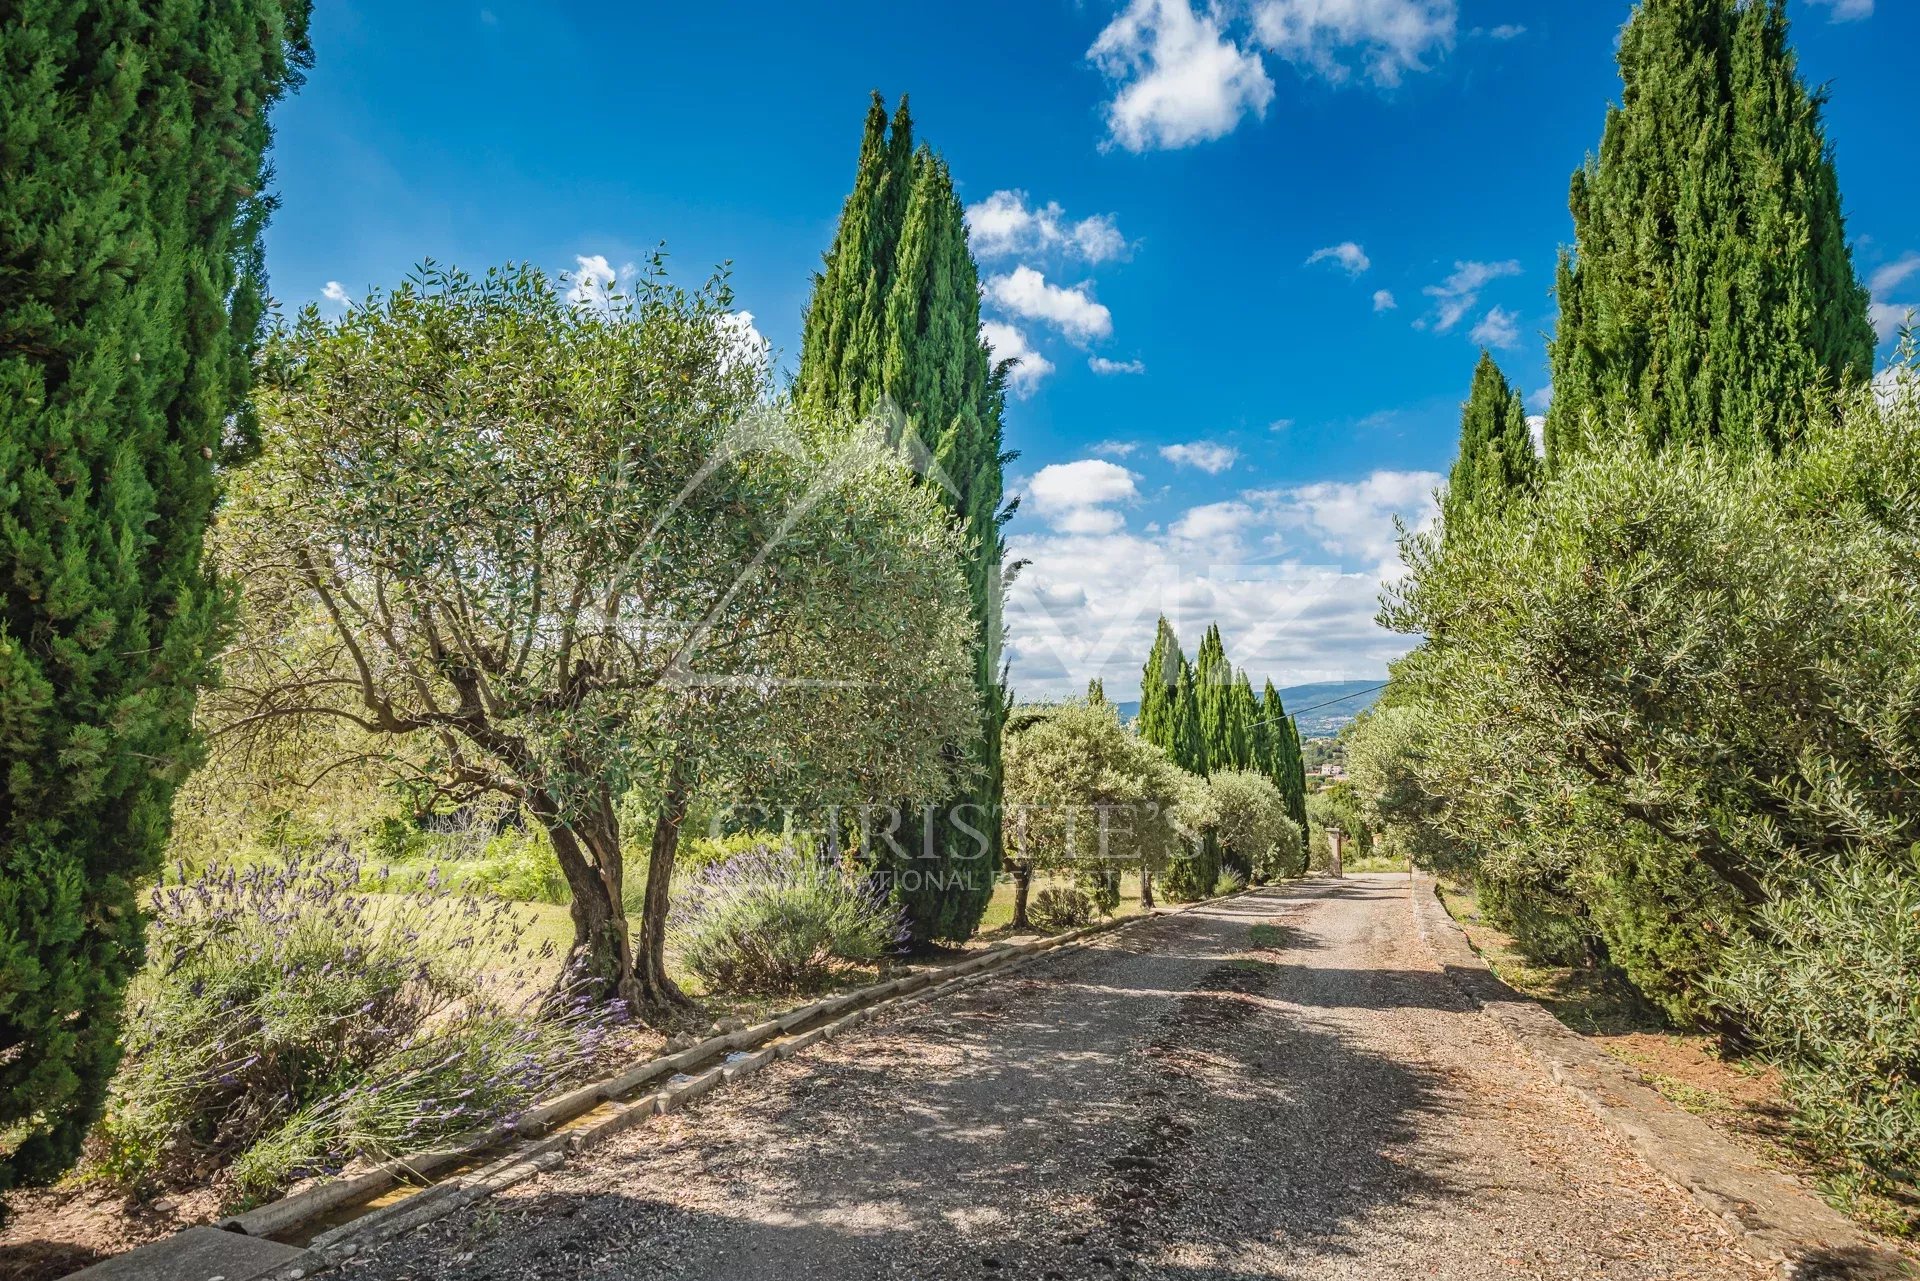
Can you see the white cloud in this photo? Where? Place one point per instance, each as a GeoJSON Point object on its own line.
{"type": "Point", "coordinates": [1541, 398]}
{"type": "Point", "coordinates": [1026, 292]}
{"type": "Point", "coordinates": [1455, 297]}
{"type": "Point", "coordinates": [1887, 317]}
{"type": "Point", "coordinates": [1507, 31]}
{"type": "Point", "coordinates": [1848, 10]}
{"type": "Point", "coordinates": [1004, 224]}
{"type": "Point", "coordinates": [1073, 497]}
{"type": "Point", "coordinates": [1498, 328]}
{"type": "Point", "coordinates": [1208, 456]}
{"type": "Point", "coordinates": [1354, 519]}
{"type": "Point", "coordinates": [1349, 255]}
{"type": "Point", "coordinates": [744, 343]}
{"type": "Point", "coordinates": [1537, 429]}
{"type": "Point", "coordinates": [592, 281]}
{"type": "Point", "coordinates": [1887, 278]}
{"type": "Point", "coordinates": [336, 292]}
{"type": "Point", "coordinates": [1118, 448]}
{"type": "Point", "coordinates": [1181, 80]}
{"type": "Point", "coordinates": [1008, 343]}
{"type": "Point", "coordinates": [1886, 313]}
{"type": "Point", "coordinates": [1383, 300]}
{"type": "Point", "coordinates": [1101, 365]}
{"type": "Point", "coordinates": [1387, 38]}
{"type": "Point", "coordinates": [1088, 603]}
{"type": "Point", "coordinates": [1280, 424]}
{"type": "Point", "coordinates": [1212, 521]}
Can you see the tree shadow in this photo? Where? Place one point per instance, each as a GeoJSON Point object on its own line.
{"type": "Point", "coordinates": [1120, 1109]}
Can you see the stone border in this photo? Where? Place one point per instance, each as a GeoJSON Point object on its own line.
{"type": "Point", "coordinates": [542, 1137]}
{"type": "Point", "coordinates": [1772, 1216]}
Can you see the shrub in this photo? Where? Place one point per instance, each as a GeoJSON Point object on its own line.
{"type": "Point", "coordinates": [1828, 988]}
{"type": "Point", "coordinates": [1060, 907]}
{"type": "Point", "coordinates": [775, 920]}
{"type": "Point", "coordinates": [288, 1022]}
{"type": "Point", "coordinates": [1101, 885]}
{"type": "Point", "coordinates": [1192, 871]}
{"type": "Point", "coordinates": [1231, 881]}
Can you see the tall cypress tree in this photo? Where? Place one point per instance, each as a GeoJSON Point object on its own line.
{"type": "Point", "coordinates": [1242, 713]}
{"type": "Point", "coordinates": [1496, 448]}
{"type": "Point", "coordinates": [132, 180]}
{"type": "Point", "coordinates": [1159, 683]}
{"type": "Point", "coordinates": [1285, 764]}
{"type": "Point", "coordinates": [895, 321]}
{"type": "Point", "coordinates": [1213, 686]}
{"type": "Point", "coordinates": [1189, 749]}
{"type": "Point", "coordinates": [843, 336]}
{"type": "Point", "coordinates": [1710, 287]}
{"type": "Point", "coordinates": [1096, 692]}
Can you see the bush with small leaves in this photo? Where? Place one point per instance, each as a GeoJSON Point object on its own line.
{"type": "Point", "coordinates": [1060, 907]}
{"type": "Point", "coordinates": [288, 1022]}
{"type": "Point", "coordinates": [773, 920]}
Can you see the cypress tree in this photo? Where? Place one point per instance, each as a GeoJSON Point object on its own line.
{"type": "Point", "coordinates": [1242, 712]}
{"type": "Point", "coordinates": [895, 321]}
{"type": "Point", "coordinates": [1096, 692]}
{"type": "Point", "coordinates": [1159, 683]}
{"type": "Point", "coordinates": [843, 335]}
{"type": "Point", "coordinates": [1496, 448]}
{"type": "Point", "coordinates": [1189, 747]}
{"type": "Point", "coordinates": [1710, 288]}
{"type": "Point", "coordinates": [1285, 765]}
{"type": "Point", "coordinates": [1213, 686]}
{"type": "Point", "coordinates": [132, 180]}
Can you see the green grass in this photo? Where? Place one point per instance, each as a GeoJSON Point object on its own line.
{"type": "Point", "coordinates": [999, 914]}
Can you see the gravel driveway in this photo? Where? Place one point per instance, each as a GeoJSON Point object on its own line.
{"type": "Point", "coordinates": [1280, 1085]}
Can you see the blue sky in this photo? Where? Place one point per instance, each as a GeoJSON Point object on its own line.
{"type": "Point", "coordinates": [1248, 251]}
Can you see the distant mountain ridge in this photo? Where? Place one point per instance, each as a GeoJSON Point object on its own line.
{"type": "Point", "coordinates": [1318, 709]}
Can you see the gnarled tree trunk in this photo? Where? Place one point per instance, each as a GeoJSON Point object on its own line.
{"type": "Point", "coordinates": [601, 948]}
{"type": "Point", "coordinates": [658, 993]}
{"type": "Point", "coordinates": [1146, 888]}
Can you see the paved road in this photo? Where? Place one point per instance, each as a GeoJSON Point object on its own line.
{"type": "Point", "coordinates": [1282, 1085]}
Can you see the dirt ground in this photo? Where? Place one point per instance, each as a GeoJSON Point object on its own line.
{"type": "Point", "coordinates": [1282, 1085]}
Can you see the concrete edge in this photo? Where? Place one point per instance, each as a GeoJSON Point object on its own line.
{"type": "Point", "coordinates": [1774, 1218]}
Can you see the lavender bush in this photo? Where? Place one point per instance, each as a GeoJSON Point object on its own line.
{"type": "Point", "coordinates": [289, 1021]}
{"type": "Point", "coordinates": [773, 920]}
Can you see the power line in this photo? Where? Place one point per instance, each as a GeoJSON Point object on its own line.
{"type": "Point", "coordinates": [1329, 703]}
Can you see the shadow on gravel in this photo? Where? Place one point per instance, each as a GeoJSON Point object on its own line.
{"type": "Point", "coordinates": [1072, 1123]}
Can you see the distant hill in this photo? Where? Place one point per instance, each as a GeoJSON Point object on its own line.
{"type": "Point", "coordinates": [1333, 704]}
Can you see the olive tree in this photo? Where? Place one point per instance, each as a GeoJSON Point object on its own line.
{"type": "Point", "coordinates": [1253, 826]}
{"type": "Point", "coordinates": [561, 553]}
{"type": "Point", "coordinates": [1086, 794]}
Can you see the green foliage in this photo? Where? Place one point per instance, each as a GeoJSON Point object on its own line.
{"type": "Point", "coordinates": [1496, 456]}
{"type": "Point", "coordinates": [1710, 290]}
{"type": "Point", "coordinates": [1256, 835]}
{"type": "Point", "coordinates": [1667, 690]}
{"type": "Point", "coordinates": [1281, 758]}
{"type": "Point", "coordinates": [131, 209]}
{"type": "Point", "coordinates": [776, 920]}
{"type": "Point", "coordinates": [290, 1021]}
{"type": "Point", "coordinates": [1213, 694]}
{"type": "Point", "coordinates": [394, 589]}
{"type": "Point", "coordinates": [1061, 907]}
{"type": "Point", "coordinates": [893, 330]}
{"type": "Point", "coordinates": [1232, 881]}
{"type": "Point", "coordinates": [1085, 794]}
{"type": "Point", "coordinates": [1827, 987]}
{"type": "Point", "coordinates": [1159, 690]}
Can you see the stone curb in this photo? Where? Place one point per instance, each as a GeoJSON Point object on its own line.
{"type": "Point", "coordinates": [1774, 1218]}
{"type": "Point", "coordinates": [531, 1156]}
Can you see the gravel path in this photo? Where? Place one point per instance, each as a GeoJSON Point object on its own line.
{"type": "Point", "coordinates": [1280, 1085]}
